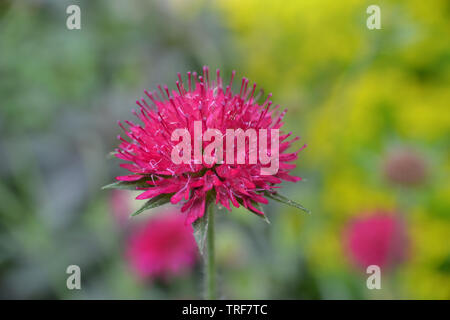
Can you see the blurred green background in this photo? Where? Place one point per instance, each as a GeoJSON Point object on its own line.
{"type": "Point", "coordinates": [354, 95]}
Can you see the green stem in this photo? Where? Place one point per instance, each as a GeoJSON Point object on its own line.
{"type": "Point", "coordinates": [210, 261]}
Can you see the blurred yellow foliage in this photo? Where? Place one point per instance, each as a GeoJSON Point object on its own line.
{"type": "Point", "coordinates": [354, 94]}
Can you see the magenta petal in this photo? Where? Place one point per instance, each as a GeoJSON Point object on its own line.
{"type": "Point", "coordinates": [196, 211]}
{"type": "Point", "coordinates": [133, 177]}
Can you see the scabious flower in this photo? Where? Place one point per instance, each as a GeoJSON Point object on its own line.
{"type": "Point", "coordinates": [378, 238]}
{"type": "Point", "coordinates": [164, 246]}
{"type": "Point", "coordinates": [148, 149]}
{"type": "Point", "coordinates": [405, 167]}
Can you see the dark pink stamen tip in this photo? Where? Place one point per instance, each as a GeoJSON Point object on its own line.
{"type": "Point", "coordinates": [189, 80]}
{"type": "Point", "coordinates": [233, 73]}
{"type": "Point", "coordinates": [161, 91]}
{"type": "Point", "coordinates": [206, 74]}
{"type": "Point", "coordinates": [253, 90]}
{"type": "Point", "coordinates": [243, 86]}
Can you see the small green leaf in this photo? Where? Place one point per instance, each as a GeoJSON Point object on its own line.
{"type": "Point", "coordinates": [129, 185]}
{"type": "Point", "coordinates": [200, 231]}
{"type": "Point", "coordinates": [154, 202]}
{"type": "Point", "coordinates": [280, 198]}
{"type": "Point", "coordinates": [260, 208]}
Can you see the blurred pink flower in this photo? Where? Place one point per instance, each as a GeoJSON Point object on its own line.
{"type": "Point", "coordinates": [380, 238]}
{"type": "Point", "coordinates": [405, 167]}
{"type": "Point", "coordinates": [163, 247]}
{"type": "Point", "coordinates": [120, 205]}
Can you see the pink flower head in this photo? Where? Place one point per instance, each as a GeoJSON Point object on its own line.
{"type": "Point", "coordinates": [163, 247]}
{"type": "Point", "coordinates": [379, 239]}
{"type": "Point", "coordinates": [194, 108]}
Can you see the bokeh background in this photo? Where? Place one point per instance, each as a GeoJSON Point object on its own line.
{"type": "Point", "coordinates": [372, 105]}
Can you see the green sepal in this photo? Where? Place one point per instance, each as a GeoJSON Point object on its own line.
{"type": "Point", "coordinates": [280, 198]}
{"type": "Point", "coordinates": [153, 203]}
{"type": "Point", "coordinates": [200, 231]}
{"type": "Point", "coordinates": [258, 206]}
{"type": "Point", "coordinates": [201, 224]}
{"type": "Point", "coordinates": [129, 185]}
